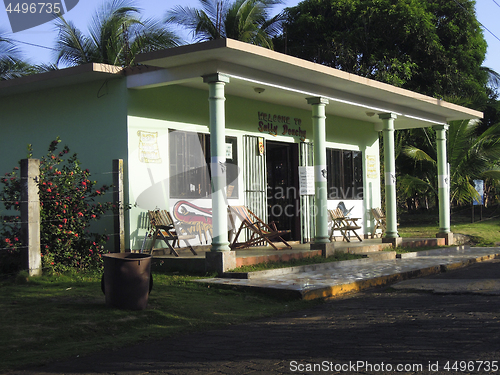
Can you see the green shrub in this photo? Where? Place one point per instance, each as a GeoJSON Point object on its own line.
{"type": "Point", "coordinates": [69, 202]}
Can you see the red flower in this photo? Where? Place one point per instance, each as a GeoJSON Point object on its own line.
{"type": "Point", "coordinates": [80, 214]}
{"type": "Point", "coordinates": [7, 240]}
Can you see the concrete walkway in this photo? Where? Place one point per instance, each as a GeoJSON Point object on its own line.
{"type": "Point", "coordinates": [329, 280]}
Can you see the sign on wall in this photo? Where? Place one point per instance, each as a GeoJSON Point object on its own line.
{"type": "Point", "coordinates": [371, 167]}
{"type": "Point", "coordinates": [479, 186]}
{"type": "Point", "coordinates": [148, 147]}
{"type": "Point", "coordinates": [306, 180]}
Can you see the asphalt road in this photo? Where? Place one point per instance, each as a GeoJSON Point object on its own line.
{"type": "Point", "coordinates": [382, 331]}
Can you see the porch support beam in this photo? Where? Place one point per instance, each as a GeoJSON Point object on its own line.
{"type": "Point", "coordinates": [390, 176]}
{"type": "Point", "coordinates": [443, 182]}
{"type": "Point", "coordinates": [216, 101]}
{"type": "Point", "coordinates": [319, 132]}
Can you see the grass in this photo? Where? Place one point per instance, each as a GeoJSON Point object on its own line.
{"type": "Point", "coordinates": [55, 317]}
{"type": "Point", "coordinates": [296, 262]}
{"type": "Point", "coordinates": [483, 233]}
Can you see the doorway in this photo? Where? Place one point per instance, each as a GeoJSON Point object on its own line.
{"type": "Point", "coordinates": [283, 201]}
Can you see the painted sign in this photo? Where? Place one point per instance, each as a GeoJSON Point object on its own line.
{"type": "Point", "coordinates": [274, 124]}
{"type": "Point", "coordinates": [194, 218]}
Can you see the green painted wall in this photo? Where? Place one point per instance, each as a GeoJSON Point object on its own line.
{"type": "Point", "coordinates": [90, 118]}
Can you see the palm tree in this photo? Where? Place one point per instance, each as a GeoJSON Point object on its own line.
{"type": "Point", "coordinates": [116, 36]}
{"type": "Point", "coordinates": [245, 20]}
{"type": "Point", "coordinates": [471, 156]}
{"type": "Point", "coordinates": [11, 64]}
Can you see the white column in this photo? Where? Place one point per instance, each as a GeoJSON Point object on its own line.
{"type": "Point", "coordinates": [443, 179]}
{"type": "Point", "coordinates": [390, 175]}
{"type": "Point", "coordinates": [320, 181]}
{"type": "Point", "coordinates": [216, 100]}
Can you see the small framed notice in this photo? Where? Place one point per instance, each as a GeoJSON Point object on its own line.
{"type": "Point", "coordinates": [371, 167]}
{"type": "Point", "coordinates": [306, 180]}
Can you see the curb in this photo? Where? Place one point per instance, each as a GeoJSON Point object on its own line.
{"type": "Point", "coordinates": [415, 254]}
{"type": "Point", "coordinates": [343, 289]}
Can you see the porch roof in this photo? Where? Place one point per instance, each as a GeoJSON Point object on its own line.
{"type": "Point", "coordinates": [288, 80]}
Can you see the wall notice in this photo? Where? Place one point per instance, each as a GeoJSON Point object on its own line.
{"type": "Point", "coordinates": [306, 180]}
{"type": "Point", "coordinates": [371, 166]}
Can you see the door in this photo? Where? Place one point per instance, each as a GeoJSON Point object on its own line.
{"type": "Point", "coordinates": [283, 199]}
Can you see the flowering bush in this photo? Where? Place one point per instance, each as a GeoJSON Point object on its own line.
{"type": "Point", "coordinates": [69, 202]}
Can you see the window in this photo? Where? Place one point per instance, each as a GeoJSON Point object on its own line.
{"type": "Point", "coordinates": [190, 165]}
{"type": "Point", "coordinates": [344, 174]}
{"type": "Point", "coordinates": [189, 176]}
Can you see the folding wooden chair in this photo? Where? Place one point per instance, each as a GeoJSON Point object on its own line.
{"type": "Point", "coordinates": [259, 231]}
{"type": "Point", "coordinates": [380, 222]}
{"type": "Point", "coordinates": [163, 227]}
{"type": "Point", "coordinates": [346, 225]}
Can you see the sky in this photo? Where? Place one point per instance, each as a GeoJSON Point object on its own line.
{"type": "Point", "coordinates": [42, 38]}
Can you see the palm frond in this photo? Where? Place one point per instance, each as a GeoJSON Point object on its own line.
{"type": "Point", "coordinates": [417, 154]}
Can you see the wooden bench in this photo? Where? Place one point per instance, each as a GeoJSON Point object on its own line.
{"type": "Point", "coordinates": [346, 225]}
{"type": "Point", "coordinates": [163, 227]}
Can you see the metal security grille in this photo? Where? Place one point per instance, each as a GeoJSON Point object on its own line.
{"type": "Point", "coordinates": [307, 223]}
{"type": "Point", "coordinates": [255, 177]}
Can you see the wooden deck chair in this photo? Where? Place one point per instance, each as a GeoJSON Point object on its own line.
{"type": "Point", "coordinates": [380, 221]}
{"type": "Point", "coordinates": [259, 231]}
{"type": "Point", "coordinates": [163, 227]}
{"type": "Point", "coordinates": [345, 225]}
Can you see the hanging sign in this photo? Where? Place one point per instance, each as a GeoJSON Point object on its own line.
{"type": "Point", "coordinates": [261, 146]}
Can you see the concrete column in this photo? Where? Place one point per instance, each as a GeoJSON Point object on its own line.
{"type": "Point", "coordinates": [319, 133]}
{"type": "Point", "coordinates": [118, 200]}
{"type": "Point", "coordinates": [30, 216]}
{"type": "Point", "coordinates": [216, 101]}
{"type": "Point", "coordinates": [390, 176]}
{"type": "Point", "coordinates": [443, 183]}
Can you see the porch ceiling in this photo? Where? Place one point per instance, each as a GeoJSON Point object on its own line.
{"type": "Point", "coordinates": [289, 81]}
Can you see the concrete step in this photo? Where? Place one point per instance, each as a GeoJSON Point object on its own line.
{"type": "Point", "coordinates": [360, 248]}
{"type": "Point", "coordinates": [379, 255]}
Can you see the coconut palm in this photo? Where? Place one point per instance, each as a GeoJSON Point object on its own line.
{"type": "Point", "coordinates": [245, 20]}
{"type": "Point", "coordinates": [471, 156]}
{"type": "Point", "coordinates": [116, 35]}
{"type": "Point", "coordinates": [11, 64]}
